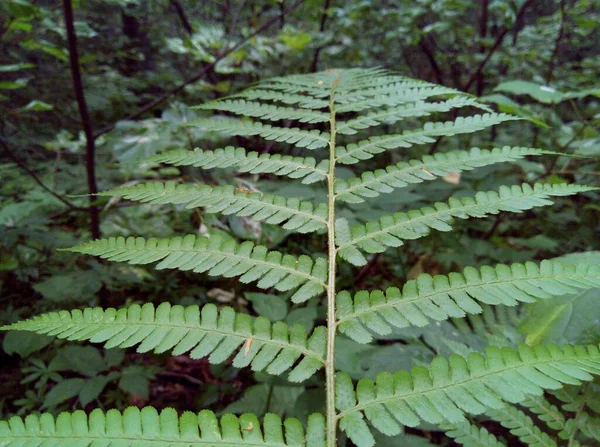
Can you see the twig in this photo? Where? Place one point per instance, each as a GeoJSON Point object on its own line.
{"type": "Point", "coordinates": [495, 47]}
{"type": "Point", "coordinates": [182, 17]}
{"type": "Point", "coordinates": [560, 35]}
{"type": "Point", "coordinates": [497, 222]}
{"type": "Point", "coordinates": [437, 71]}
{"type": "Point", "coordinates": [90, 146]}
{"type": "Point", "coordinates": [366, 269]}
{"type": "Point", "coordinates": [324, 15]}
{"type": "Point", "coordinates": [483, 22]}
{"type": "Point", "coordinates": [34, 176]}
{"type": "Point", "coordinates": [162, 98]}
{"type": "Point", "coordinates": [235, 18]}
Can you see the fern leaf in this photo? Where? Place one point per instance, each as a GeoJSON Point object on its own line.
{"type": "Point", "coordinates": [398, 95]}
{"type": "Point", "coordinates": [218, 257]}
{"type": "Point", "coordinates": [267, 111]}
{"type": "Point", "coordinates": [373, 183]}
{"type": "Point", "coordinates": [440, 297]}
{"type": "Point", "coordinates": [448, 389]}
{"type": "Point", "coordinates": [205, 332]}
{"type": "Point", "coordinates": [298, 215]}
{"type": "Point", "coordinates": [545, 411]}
{"type": "Point", "coordinates": [319, 84]}
{"type": "Point", "coordinates": [365, 149]}
{"type": "Point", "coordinates": [310, 139]}
{"type": "Point", "coordinates": [305, 168]}
{"type": "Point", "coordinates": [391, 230]}
{"type": "Point", "coordinates": [470, 435]}
{"type": "Point", "coordinates": [416, 109]}
{"type": "Point", "coordinates": [304, 101]}
{"type": "Point", "coordinates": [135, 427]}
{"type": "Point", "coordinates": [521, 426]}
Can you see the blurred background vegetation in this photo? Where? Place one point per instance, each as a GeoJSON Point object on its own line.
{"type": "Point", "coordinates": [144, 64]}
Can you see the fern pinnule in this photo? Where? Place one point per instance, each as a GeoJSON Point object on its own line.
{"type": "Point", "coordinates": [451, 388]}
{"type": "Point", "coordinates": [471, 435]}
{"type": "Point", "coordinates": [415, 109]}
{"type": "Point", "coordinates": [268, 112]}
{"type": "Point", "coordinates": [440, 297]}
{"type": "Point", "coordinates": [309, 139]}
{"type": "Point", "coordinates": [135, 427]}
{"type": "Point", "coordinates": [392, 230]}
{"type": "Point", "coordinates": [203, 332]}
{"type": "Point", "coordinates": [218, 257]}
{"type": "Point", "coordinates": [294, 214]}
{"type": "Point", "coordinates": [305, 168]}
{"type": "Point", "coordinates": [365, 149]}
{"type": "Point", "coordinates": [522, 426]}
{"type": "Point", "coordinates": [430, 167]}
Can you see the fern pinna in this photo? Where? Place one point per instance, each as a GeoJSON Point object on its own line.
{"type": "Point", "coordinates": [330, 109]}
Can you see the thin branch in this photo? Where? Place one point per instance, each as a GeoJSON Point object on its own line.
{"type": "Point", "coordinates": [474, 76]}
{"type": "Point", "coordinates": [90, 146]}
{"type": "Point", "coordinates": [437, 71]}
{"type": "Point", "coordinates": [234, 19]}
{"type": "Point", "coordinates": [483, 26]}
{"type": "Point", "coordinates": [322, 25]}
{"type": "Point", "coordinates": [34, 176]}
{"type": "Point", "coordinates": [559, 37]}
{"type": "Point", "coordinates": [162, 98]}
{"type": "Point", "coordinates": [182, 16]}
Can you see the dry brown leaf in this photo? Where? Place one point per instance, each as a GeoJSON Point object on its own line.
{"type": "Point", "coordinates": [452, 177]}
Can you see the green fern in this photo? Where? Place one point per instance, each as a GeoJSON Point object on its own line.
{"type": "Point", "coordinates": [205, 332]}
{"type": "Point", "coordinates": [365, 149]}
{"type": "Point", "coordinates": [305, 168]}
{"type": "Point", "coordinates": [440, 297]}
{"type": "Point", "coordinates": [430, 167]}
{"type": "Point", "coordinates": [390, 231]}
{"type": "Point", "coordinates": [218, 257]}
{"type": "Point", "coordinates": [448, 389]}
{"type": "Point", "coordinates": [135, 427]}
{"type": "Point", "coordinates": [521, 426]}
{"type": "Point", "coordinates": [310, 139]}
{"type": "Point", "coordinates": [443, 394]}
{"type": "Point", "coordinates": [470, 435]}
{"type": "Point", "coordinates": [300, 216]}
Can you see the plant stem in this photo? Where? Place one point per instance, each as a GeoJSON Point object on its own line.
{"type": "Point", "coordinates": [90, 145]}
{"type": "Point", "coordinates": [331, 323]}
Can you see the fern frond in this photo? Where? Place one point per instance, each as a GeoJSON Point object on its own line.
{"type": "Point", "coordinates": [409, 93]}
{"type": "Point", "coordinates": [266, 111]}
{"type": "Point", "coordinates": [305, 168]}
{"type": "Point", "coordinates": [545, 411]}
{"type": "Point", "coordinates": [146, 427]}
{"type": "Point", "coordinates": [392, 115]}
{"type": "Point", "coordinates": [365, 149]}
{"type": "Point", "coordinates": [448, 389]}
{"type": "Point", "coordinates": [205, 332]}
{"type": "Point", "coordinates": [319, 84]}
{"type": "Point", "coordinates": [391, 230]}
{"type": "Point", "coordinates": [218, 257]}
{"type": "Point", "coordinates": [310, 139]}
{"type": "Point", "coordinates": [521, 426]}
{"type": "Point", "coordinates": [373, 183]}
{"type": "Point", "coordinates": [471, 435]}
{"type": "Point", "coordinates": [301, 216]}
{"type": "Point", "coordinates": [304, 101]}
{"type": "Point", "coordinates": [440, 297]}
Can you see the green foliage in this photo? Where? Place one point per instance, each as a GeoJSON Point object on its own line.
{"type": "Point", "coordinates": [218, 257]}
{"type": "Point", "coordinates": [449, 388]}
{"type": "Point", "coordinates": [205, 332]}
{"type": "Point", "coordinates": [148, 426]}
{"type": "Point", "coordinates": [444, 393]}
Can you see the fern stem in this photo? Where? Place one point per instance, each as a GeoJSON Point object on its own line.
{"type": "Point", "coordinates": [331, 324]}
